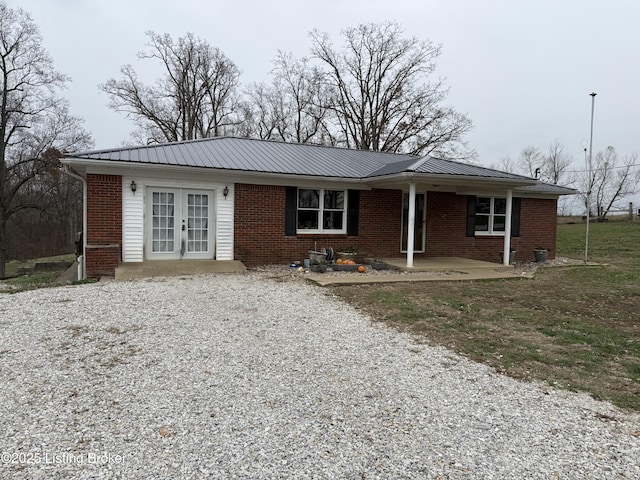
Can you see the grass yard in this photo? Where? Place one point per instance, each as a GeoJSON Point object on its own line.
{"type": "Point", "coordinates": [11, 269]}
{"type": "Point", "coordinates": [34, 280]}
{"type": "Point", "coordinates": [574, 327]}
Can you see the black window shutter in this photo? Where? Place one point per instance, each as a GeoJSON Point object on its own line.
{"type": "Point", "coordinates": [515, 217]}
{"type": "Point", "coordinates": [353, 212]}
{"type": "Point", "coordinates": [290, 211]}
{"type": "Point", "coordinates": [471, 216]}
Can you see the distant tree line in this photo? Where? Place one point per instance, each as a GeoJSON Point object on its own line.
{"type": "Point", "coordinates": [39, 204]}
{"type": "Point", "coordinates": [373, 93]}
{"type": "Point", "coordinates": [602, 188]}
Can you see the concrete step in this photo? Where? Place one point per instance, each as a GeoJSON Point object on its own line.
{"type": "Point", "coordinates": [169, 268]}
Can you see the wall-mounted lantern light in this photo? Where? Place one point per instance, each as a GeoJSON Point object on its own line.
{"type": "Point", "coordinates": [225, 192]}
{"type": "Point", "coordinates": [134, 187]}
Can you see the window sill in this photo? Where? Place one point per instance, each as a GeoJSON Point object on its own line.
{"type": "Point", "coordinates": [321, 232]}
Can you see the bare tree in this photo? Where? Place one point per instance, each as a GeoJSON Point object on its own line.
{"type": "Point", "coordinates": [505, 164]}
{"type": "Point", "coordinates": [609, 182]}
{"type": "Point", "coordinates": [33, 118]}
{"type": "Point", "coordinates": [294, 106]}
{"type": "Point", "coordinates": [531, 161]}
{"type": "Point", "coordinates": [381, 96]}
{"type": "Point", "coordinates": [556, 163]}
{"type": "Point", "coordinates": [196, 98]}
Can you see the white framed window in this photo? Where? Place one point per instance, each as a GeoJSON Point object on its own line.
{"type": "Point", "coordinates": [491, 215]}
{"type": "Point", "coordinates": [321, 211]}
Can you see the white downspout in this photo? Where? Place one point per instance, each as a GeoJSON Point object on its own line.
{"type": "Point", "coordinates": [411, 224]}
{"type": "Point", "coordinates": [82, 270]}
{"type": "Point", "coordinates": [507, 229]}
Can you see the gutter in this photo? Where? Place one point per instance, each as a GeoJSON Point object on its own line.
{"type": "Point", "coordinates": [82, 263]}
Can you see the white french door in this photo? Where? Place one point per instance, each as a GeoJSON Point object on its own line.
{"type": "Point", "coordinates": [179, 224]}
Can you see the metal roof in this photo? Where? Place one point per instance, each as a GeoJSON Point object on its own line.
{"type": "Point", "coordinates": [439, 166]}
{"type": "Point", "coordinates": [250, 155]}
{"type": "Point", "coordinates": [266, 156]}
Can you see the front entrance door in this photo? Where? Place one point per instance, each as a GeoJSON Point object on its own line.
{"type": "Point", "coordinates": [419, 230]}
{"type": "Point", "coordinates": [179, 224]}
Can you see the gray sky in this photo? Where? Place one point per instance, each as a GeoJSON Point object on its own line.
{"type": "Point", "coordinates": [521, 70]}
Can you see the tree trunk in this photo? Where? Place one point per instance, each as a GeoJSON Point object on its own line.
{"type": "Point", "coordinates": [3, 248]}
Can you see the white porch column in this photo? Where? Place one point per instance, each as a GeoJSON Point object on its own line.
{"type": "Point", "coordinates": [411, 224]}
{"type": "Point", "coordinates": [507, 229]}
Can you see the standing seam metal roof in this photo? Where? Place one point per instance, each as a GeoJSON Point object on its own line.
{"type": "Point", "coordinates": [252, 155]}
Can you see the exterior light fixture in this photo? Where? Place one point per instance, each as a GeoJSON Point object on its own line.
{"type": "Point", "coordinates": [134, 187]}
{"type": "Point", "coordinates": [225, 192]}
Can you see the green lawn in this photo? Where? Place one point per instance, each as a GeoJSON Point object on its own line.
{"type": "Point", "coordinates": [574, 327]}
{"type": "Point", "coordinates": [34, 280]}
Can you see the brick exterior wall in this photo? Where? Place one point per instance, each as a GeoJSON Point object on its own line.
{"type": "Point", "coordinates": [104, 225]}
{"type": "Point", "coordinates": [260, 239]}
{"type": "Point", "coordinates": [260, 225]}
{"type": "Point", "coordinates": [446, 230]}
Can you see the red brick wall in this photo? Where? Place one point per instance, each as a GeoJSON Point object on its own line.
{"type": "Point", "coordinates": [447, 225]}
{"type": "Point", "coordinates": [538, 224]}
{"type": "Point", "coordinates": [104, 224]}
{"type": "Point", "coordinates": [260, 217]}
{"type": "Point", "coordinates": [259, 227]}
{"type": "Point", "coordinates": [102, 260]}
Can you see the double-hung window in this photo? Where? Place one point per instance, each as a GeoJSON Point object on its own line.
{"type": "Point", "coordinates": [491, 213]}
{"type": "Point", "coordinates": [321, 210]}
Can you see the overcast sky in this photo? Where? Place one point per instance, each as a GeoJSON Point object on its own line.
{"type": "Point", "coordinates": [521, 70]}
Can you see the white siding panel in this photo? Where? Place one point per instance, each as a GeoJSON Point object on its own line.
{"type": "Point", "coordinates": [132, 221]}
{"type": "Point", "coordinates": [224, 223]}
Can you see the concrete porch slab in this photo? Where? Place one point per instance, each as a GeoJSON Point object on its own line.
{"type": "Point", "coordinates": [441, 269]}
{"type": "Point", "coordinates": [443, 264]}
{"type": "Point", "coordinates": [169, 268]}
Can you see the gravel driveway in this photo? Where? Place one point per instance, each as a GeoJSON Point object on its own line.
{"type": "Point", "coordinates": [241, 376]}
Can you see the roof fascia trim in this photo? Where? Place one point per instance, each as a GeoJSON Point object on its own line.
{"type": "Point", "coordinates": [414, 176]}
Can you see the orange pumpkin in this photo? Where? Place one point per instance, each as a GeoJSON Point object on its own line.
{"type": "Point", "coordinates": [361, 269]}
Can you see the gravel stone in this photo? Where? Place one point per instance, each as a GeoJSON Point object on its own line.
{"type": "Point", "coordinates": [249, 376]}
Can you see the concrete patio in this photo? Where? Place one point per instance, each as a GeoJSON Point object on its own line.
{"type": "Point", "coordinates": [424, 270]}
{"type": "Point", "coordinates": [443, 264]}
{"type": "Point", "coordinates": [435, 269]}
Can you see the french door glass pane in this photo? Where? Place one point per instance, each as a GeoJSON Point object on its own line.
{"type": "Point", "coordinates": [197, 222]}
{"type": "Point", "coordinates": [163, 209]}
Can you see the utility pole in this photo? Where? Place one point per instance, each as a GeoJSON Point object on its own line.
{"type": "Point", "coordinates": [589, 174]}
